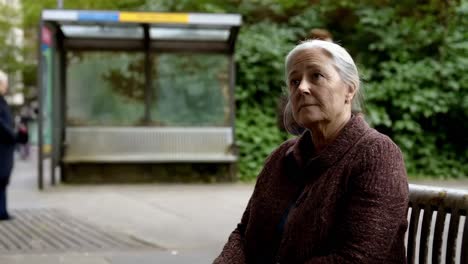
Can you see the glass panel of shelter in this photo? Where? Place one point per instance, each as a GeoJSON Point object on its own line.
{"type": "Point", "coordinates": [105, 88]}
{"type": "Point", "coordinates": [108, 88]}
{"type": "Point", "coordinates": [190, 89]}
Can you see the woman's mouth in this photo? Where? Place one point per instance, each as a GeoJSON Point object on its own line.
{"type": "Point", "coordinates": [306, 105]}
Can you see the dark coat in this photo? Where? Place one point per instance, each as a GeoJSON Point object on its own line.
{"type": "Point", "coordinates": [7, 142]}
{"type": "Point", "coordinates": [347, 204]}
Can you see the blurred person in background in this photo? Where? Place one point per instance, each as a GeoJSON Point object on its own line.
{"type": "Point", "coordinates": [7, 146]}
{"type": "Point", "coordinates": [338, 192]}
{"type": "Point", "coordinates": [23, 132]}
{"type": "Point", "coordinates": [321, 34]}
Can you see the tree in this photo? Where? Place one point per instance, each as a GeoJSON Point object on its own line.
{"type": "Point", "coordinates": [10, 51]}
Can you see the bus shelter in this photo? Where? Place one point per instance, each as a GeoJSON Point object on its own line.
{"type": "Point", "coordinates": [126, 88]}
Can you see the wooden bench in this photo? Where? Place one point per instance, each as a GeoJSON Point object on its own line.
{"type": "Point", "coordinates": [437, 225]}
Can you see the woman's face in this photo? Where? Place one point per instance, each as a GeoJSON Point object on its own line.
{"type": "Point", "coordinates": [316, 90]}
{"type": "Point", "coordinates": [3, 88]}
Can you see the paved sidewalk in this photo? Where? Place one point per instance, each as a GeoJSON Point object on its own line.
{"type": "Point", "coordinates": [182, 223]}
{"type": "Point", "coordinates": [174, 223]}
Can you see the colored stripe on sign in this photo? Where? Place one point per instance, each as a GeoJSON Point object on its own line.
{"type": "Point", "coordinates": [139, 17]}
{"type": "Point", "coordinates": [44, 47]}
{"type": "Point", "coordinates": [98, 16]}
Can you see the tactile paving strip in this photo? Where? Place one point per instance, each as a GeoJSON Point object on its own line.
{"type": "Point", "coordinates": [52, 230]}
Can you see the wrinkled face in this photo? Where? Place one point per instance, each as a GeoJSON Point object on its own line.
{"type": "Point", "coordinates": [317, 92]}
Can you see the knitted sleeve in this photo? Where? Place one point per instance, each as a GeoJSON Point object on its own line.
{"type": "Point", "coordinates": [375, 213]}
{"type": "Point", "coordinates": [234, 251]}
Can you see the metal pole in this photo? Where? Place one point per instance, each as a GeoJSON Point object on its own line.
{"type": "Point", "coordinates": [62, 103]}
{"type": "Point", "coordinates": [40, 112]}
{"type": "Point", "coordinates": [232, 104]}
{"type": "Point", "coordinates": [60, 4]}
{"type": "Point", "coordinates": [148, 77]}
{"type": "Point", "coordinates": [53, 115]}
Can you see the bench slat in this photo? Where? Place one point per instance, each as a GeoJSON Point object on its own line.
{"type": "Point", "coordinates": [425, 231]}
{"type": "Point", "coordinates": [413, 228]}
{"type": "Point", "coordinates": [452, 237]}
{"type": "Point", "coordinates": [464, 248]}
{"type": "Point", "coordinates": [438, 236]}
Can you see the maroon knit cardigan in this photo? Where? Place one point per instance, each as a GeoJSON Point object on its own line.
{"type": "Point", "coordinates": [352, 208]}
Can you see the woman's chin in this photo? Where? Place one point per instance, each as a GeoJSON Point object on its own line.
{"type": "Point", "coordinates": [310, 121]}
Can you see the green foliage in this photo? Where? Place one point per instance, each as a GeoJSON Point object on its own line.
{"type": "Point", "coordinates": [413, 60]}
{"type": "Point", "coordinates": [416, 83]}
{"type": "Point", "coordinates": [260, 82]}
{"type": "Point", "coordinates": [257, 136]}
{"type": "Point", "coordinates": [10, 52]}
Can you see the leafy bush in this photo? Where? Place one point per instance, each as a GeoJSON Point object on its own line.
{"type": "Point", "coordinates": [413, 58]}
{"type": "Point", "coordinates": [415, 84]}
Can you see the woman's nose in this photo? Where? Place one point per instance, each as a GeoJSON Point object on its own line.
{"type": "Point", "coordinates": [304, 87]}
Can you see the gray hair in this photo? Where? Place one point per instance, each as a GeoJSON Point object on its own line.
{"type": "Point", "coordinates": [345, 67]}
{"type": "Point", "coordinates": [3, 77]}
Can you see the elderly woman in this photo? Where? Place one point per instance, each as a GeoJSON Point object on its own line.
{"type": "Point", "coordinates": [338, 193]}
{"type": "Point", "coordinates": [7, 146]}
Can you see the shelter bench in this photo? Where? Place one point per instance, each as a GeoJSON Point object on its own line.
{"type": "Point", "coordinates": [145, 151]}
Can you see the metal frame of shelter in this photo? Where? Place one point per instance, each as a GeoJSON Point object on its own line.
{"type": "Point", "coordinates": [61, 31]}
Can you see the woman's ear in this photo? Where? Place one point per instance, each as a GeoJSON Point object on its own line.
{"type": "Point", "coordinates": [350, 92]}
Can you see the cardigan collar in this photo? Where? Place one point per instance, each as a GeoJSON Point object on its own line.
{"type": "Point", "coordinates": [302, 150]}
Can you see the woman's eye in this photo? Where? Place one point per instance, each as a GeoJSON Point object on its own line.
{"type": "Point", "coordinates": [317, 75]}
{"type": "Point", "coordinates": [295, 83]}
